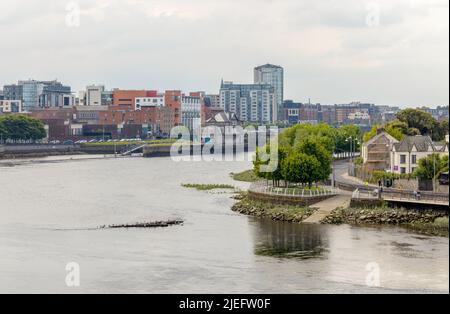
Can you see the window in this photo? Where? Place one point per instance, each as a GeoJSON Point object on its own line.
{"type": "Point", "coordinates": [414, 159]}
{"type": "Point", "coordinates": [403, 159]}
{"type": "Point", "coordinates": [402, 170]}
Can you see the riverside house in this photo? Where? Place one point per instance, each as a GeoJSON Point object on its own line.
{"type": "Point", "coordinates": [376, 152]}
{"type": "Point", "coordinates": [406, 154]}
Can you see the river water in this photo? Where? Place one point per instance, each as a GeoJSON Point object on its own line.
{"type": "Point", "coordinates": [48, 208]}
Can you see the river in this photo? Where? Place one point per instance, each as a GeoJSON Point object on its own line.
{"type": "Point", "coordinates": [48, 208]}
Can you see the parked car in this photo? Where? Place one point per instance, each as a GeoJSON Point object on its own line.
{"type": "Point", "coordinates": [69, 142]}
{"type": "Point", "coordinates": [443, 179]}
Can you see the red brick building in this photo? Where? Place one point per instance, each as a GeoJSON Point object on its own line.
{"type": "Point", "coordinates": [173, 101]}
{"type": "Point", "coordinates": [127, 98]}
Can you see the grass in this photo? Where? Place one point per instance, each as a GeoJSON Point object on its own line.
{"type": "Point", "coordinates": [438, 228]}
{"type": "Point", "coordinates": [208, 187]}
{"type": "Point", "coordinates": [246, 176]}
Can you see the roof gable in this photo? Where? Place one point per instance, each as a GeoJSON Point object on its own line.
{"type": "Point", "coordinates": [389, 137]}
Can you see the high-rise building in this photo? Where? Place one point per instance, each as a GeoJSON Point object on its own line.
{"type": "Point", "coordinates": [250, 102]}
{"type": "Point", "coordinates": [274, 76]}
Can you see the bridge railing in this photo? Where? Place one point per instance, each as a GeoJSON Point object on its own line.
{"type": "Point", "coordinates": [418, 196]}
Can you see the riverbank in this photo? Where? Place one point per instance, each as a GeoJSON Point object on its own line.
{"type": "Point", "coordinates": [424, 221]}
{"type": "Point", "coordinates": [247, 206]}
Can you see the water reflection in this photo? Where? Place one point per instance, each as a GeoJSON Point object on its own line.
{"type": "Point", "coordinates": [288, 240]}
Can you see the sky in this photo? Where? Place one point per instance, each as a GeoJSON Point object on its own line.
{"type": "Point", "coordinates": [393, 52]}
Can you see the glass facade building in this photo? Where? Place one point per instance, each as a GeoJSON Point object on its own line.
{"type": "Point", "coordinates": [274, 76]}
{"type": "Point", "coordinates": [38, 94]}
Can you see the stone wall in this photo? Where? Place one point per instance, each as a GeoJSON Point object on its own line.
{"type": "Point", "coordinates": [368, 203]}
{"type": "Point", "coordinates": [287, 199]}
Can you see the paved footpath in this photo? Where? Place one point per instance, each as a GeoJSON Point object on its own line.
{"type": "Point", "coordinates": [325, 207]}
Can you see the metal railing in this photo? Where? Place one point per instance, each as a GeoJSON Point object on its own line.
{"type": "Point", "coordinates": [293, 191]}
{"type": "Point", "coordinates": [365, 195]}
{"type": "Point", "coordinates": [390, 195]}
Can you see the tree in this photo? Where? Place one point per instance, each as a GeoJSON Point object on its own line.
{"type": "Point", "coordinates": [342, 135]}
{"type": "Point", "coordinates": [312, 147]}
{"type": "Point", "coordinates": [424, 123]}
{"type": "Point", "coordinates": [301, 168]}
{"type": "Point", "coordinates": [440, 130]}
{"type": "Point", "coordinates": [21, 127]}
{"type": "Point", "coordinates": [275, 176]}
{"type": "Point", "coordinates": [431, 167]}
{"type": "Point", "coordinates": [323, 133]}
{"type": "Point", "coordinates": [392, 130]}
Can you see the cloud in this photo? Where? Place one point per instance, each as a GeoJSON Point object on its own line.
{"type": "Point", "coordinates": [329, 50]}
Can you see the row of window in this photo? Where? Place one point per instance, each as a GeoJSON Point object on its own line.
{"type": "Point", "coordinates": [403, 159]}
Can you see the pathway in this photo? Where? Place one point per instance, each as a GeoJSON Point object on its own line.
{"type": "Point", "coordinates": [325, 207]}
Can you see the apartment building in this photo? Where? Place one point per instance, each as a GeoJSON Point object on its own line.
{"type": "Point", "coordinates": [250, 102]}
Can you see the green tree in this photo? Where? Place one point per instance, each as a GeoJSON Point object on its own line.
{"type": "Point", "coordinates": [275, 176]}
{"type": "Point", "coordinates": [314, 148]}
{"type": "Point", "coordinates": [392, 130]}
{"type": "Point", "coordinates": [422, 121]}
{"type": "Point", "coordinates": [323, 133]}
{"type": "Point", "coordinates": [21, 127]}
{"type": "Point", "coordinates": [440, 130]}
{"type": "Point", "coordinates": [342, 135]}
{"type": "Point", "coordinates": [431, 167]}
{"type": "Point", "coordinates": [301, 168]}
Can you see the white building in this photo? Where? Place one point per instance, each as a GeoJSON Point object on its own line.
{"type": "Point", "coordinates": [11, 106]}
{"type": "Point", "coordinates": [94, 95]}
{"type": "Point", "coordinates": [158, 101]}
{"type": "Point", "coordinates": [191, 112]}
{"type": "Point", "coordinates": [250, 102]}
{"type": "Point", "coordinates": [406, 154]}
{"type": "Point", "coordinates": [359, 115]}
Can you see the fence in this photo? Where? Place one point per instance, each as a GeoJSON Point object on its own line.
{"type": "Point", "coordinates": [399, 196]}
{"type": "Point", "coordinates": [365, 195]}
{"type": "Point", "coordinates": [296, 191]}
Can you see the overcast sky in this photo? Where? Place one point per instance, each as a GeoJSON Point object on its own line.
{"type": "Point", "coordinates": [333, 51]}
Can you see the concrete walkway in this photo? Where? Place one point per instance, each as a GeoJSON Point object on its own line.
{"type": "Point", "coordinates": [324, 208]}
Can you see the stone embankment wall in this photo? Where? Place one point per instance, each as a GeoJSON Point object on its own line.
{"type": "Point", "coordinates": [287, 199]}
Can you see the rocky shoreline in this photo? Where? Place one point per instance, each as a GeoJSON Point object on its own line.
{"type": "Point", "coordinates": [421, 221]}
{"type": "Point", "coordinates": [249, 207]}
